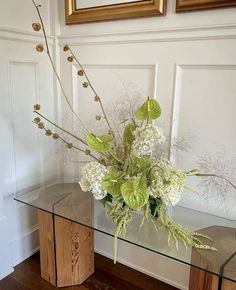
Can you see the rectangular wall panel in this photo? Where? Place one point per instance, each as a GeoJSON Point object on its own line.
{"type": "Point", "coordinates": [24, 94]}
{"type": "Point", "coordinates": [203, 134]}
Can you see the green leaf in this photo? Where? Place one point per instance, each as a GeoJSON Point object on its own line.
{"type": "Point", "coordinates": [112, 182]}
{"type": "Point", "coordinates": [139, 165]}
{"type": "Point", "coordinates": [149, 110]}
{"type": "Point", "coordinates": [107, 198]}
{"type": "Point", "coordinates": [128, 133]}
{"type": "Point", "coordinates": [99, 143]}
{"type": "Point", "coordinates": [134, 192]}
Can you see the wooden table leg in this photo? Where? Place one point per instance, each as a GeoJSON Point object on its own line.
{"type": "Point", "coordinates": [66, 250]}
{"type": "Point", "coordinates": [201, 280]}
{"type": "Point", "coordinates": [221, 261]}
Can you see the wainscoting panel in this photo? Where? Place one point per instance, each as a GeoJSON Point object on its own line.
{"type": "Point", "coordinates": [28, 158]}
{"type": "Point", "coordinates": [203, 133]}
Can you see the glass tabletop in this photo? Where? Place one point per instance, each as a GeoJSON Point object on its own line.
{"type": "Point", "coordinates": [68, 201]}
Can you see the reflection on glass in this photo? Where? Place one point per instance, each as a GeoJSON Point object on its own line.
{"type": "Point", "coordinates": [81, 4]}
{"type": "Point", "coordinates": [69, 202]}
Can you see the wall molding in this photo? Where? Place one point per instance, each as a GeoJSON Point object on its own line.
{"type": "Point", "coordinates": [6, 273]}
{"type": "Point", "coordinates": [25, 238]}
{"type": "Point", "coordinates": [24, 36]}
{"type": "Point", "coordinates": [142, 270]}
{"type": "Point", "coordinates": [179, 67]}
{"type": "Point", "coordinates": [211, 32]}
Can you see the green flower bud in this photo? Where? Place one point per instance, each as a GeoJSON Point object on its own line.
{"type": "Point", "coordinates": [48, 132]}
{"type": "Point", "coordinates": [41, 125]}
{"type": "Point", "coordinates": [69, 145]}
{"type": "Point", "coordinates": [55, 136]}
{"type": "Point", "coordinates": [37, 120]}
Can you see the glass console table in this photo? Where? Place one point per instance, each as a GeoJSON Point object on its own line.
{"type": "Point", "coordinates": [69, 216]}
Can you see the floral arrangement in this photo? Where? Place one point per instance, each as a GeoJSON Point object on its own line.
{"type": "Point", "coordinates": [126, 174]}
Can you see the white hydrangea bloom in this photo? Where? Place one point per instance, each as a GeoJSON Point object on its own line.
{"type": "Point", "coordinates": [92, 174]}
{"type": "Point", "coordinates": [167, 182]}
{"type": "Point", "coordinates": [146, 139]}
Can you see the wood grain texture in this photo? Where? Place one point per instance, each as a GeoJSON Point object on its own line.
{"type": "Point", "coordinates": [75, 252]}
{"type": "Point", "coordinates": [46, 241]}
{"type": "Point", "coordinates": [27, 277]}
{"type": "Point", "coordinates": [193, 5]}
{"type": "Point", "coordinates": [225, 242]}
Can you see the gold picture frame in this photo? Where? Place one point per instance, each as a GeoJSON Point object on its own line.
{"type": "Point", "coordinates": [113, 12]}
{"type": "Point", "coordinates": [192, 5]}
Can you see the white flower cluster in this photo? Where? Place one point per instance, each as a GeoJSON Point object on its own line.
{"type": "Point", "coordinates": [167, 182]}
{"type": "Point", "coordinates": [92, 174]}
{"type": "Point", "coordinates": [146, 139]}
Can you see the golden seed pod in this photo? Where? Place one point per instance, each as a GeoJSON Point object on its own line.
{"type": "Point", "coordinates": [85, 84]}
{"type": "Point", "coordinates": [48, 132]}
{"type": "Point", "coordinates": [40, 47]}
{"type": "Point", "coordinates": [87, 151]}
{"type": "Point", "coordinates": [36, 26]}
{"type": "Point", "coordinates": [70, 58]}
{"type": "Point", "coordinates": [80, 72]}
{"type": "Point", "coordinates": [69, 145]}
{"type": "Point", "coordinates": [97, 99]}
{"type": "Point", "coordinates": [37, 120]}
{"type": "Point", "coordinates": [41, 125]}
{"type": "Point", "coordinates": [37, 107]}
{"type": "Point", "coordinates": [55, 136]}
{"type": "Point", "coordinates": [98, 118]}
{"type": "Point", "coordinates": [66, 47]}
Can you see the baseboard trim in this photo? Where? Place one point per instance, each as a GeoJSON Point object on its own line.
{"type": "Point", "coordinates": [139, 269]}
{"type": "Point", "coordinates": [6, 273]}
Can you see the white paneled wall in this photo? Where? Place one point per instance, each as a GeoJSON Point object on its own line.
{"type": "Point", "coordinates": [187, 62]}
{"type": "Point", "coordinates": [27, 158]}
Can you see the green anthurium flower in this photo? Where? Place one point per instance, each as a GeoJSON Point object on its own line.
{"type": "Point", "coordinates": [134, 192]}
{"type": "Point", "coordinates": [112, 182]}
{"type": "Point", "coordinates": [99, 143]}
{"type": "Point", "coordinates": [149, 110]}
{"type": "Point", "coordinates": [139, 165]}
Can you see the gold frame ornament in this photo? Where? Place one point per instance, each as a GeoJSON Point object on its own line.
{"type": "Point", "coordinates": [192, 5]}
{"type": "Point", "coordinates": [113, 12]}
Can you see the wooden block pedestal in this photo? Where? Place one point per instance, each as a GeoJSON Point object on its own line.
{"type": "Point", "coordinates": [66, 250]}
{"type": "Point", "coordinates": [223, 261]}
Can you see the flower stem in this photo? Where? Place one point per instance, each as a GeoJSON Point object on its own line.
{"type": "Point", "coordinates": [54, 69]}
{"type": "Point", "coordinates": [92, 88]}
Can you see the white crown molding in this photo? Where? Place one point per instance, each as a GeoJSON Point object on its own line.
{"type": "Point", "coordinates": [158, 35]}
{"type": "Point", "coordinates": [18, 35]}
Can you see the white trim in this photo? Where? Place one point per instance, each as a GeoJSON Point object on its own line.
{"type": "Point", "coordinates": [25, 234]}
{"type": "Point", "coordinates": [179, 67]}
{"type": "Point", "coordinates": [210, 32]}
{"type": "Point", "coordinates": [142, 270]}
{"type": "Point", "coordinates": [6, 273]}
{"type": "Point", "coordinates": [22, 35]}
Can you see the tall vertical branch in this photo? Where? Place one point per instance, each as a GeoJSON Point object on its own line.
{"type": "Point", "coordinates": [54, 69]}
{"type": "Point", "coordinates": [93, 89]}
